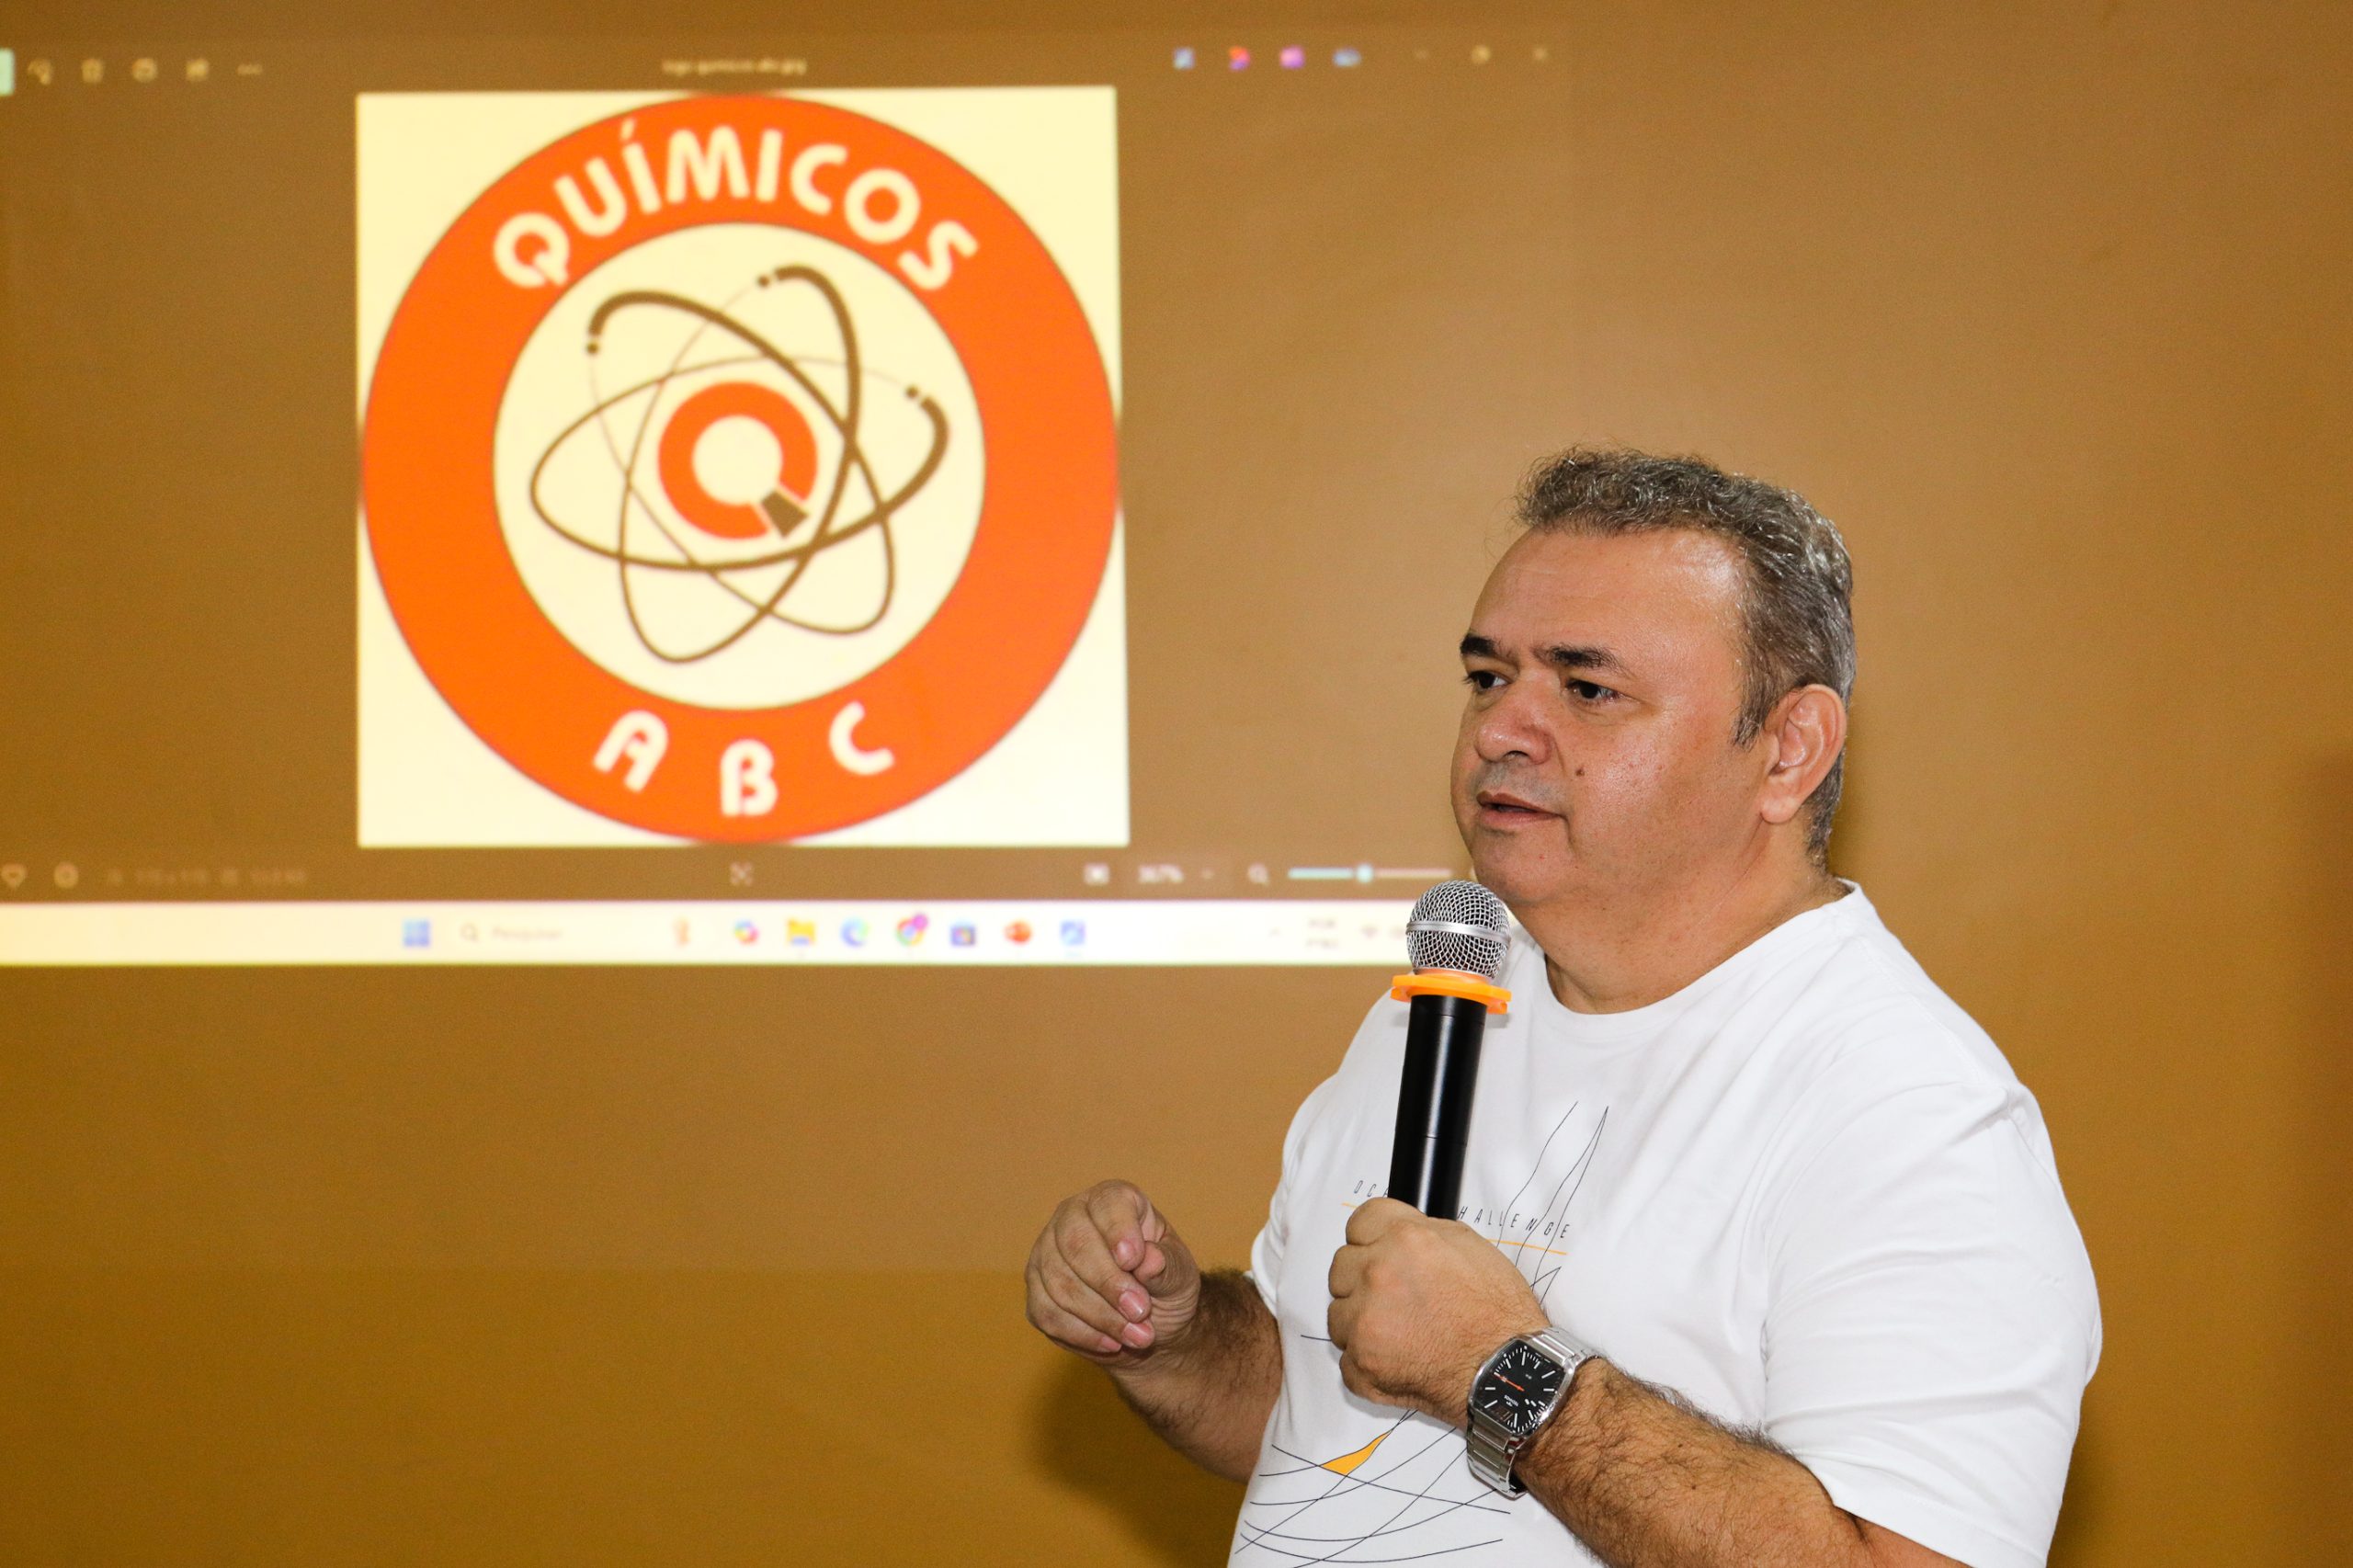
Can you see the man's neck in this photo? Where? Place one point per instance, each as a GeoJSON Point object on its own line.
{"type": "Point", "coordinates": [1617, 960]}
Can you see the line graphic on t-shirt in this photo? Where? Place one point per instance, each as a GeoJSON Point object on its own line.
{"type": "Point", "coordinates": [1375, 1493]}
{"type": "Point", "coordinates": [1352, 1484]}
{"type": "Point", "coordinates": [1346, 1463]}
{"type": "Point", "coordinates": [1554, 1219]}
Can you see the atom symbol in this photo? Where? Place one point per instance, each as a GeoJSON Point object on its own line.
{"type": "Point", "coordinates": [757, 549]}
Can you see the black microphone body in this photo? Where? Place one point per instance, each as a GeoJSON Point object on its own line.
{"type": "Point", "coordinates": [1442, 1037]}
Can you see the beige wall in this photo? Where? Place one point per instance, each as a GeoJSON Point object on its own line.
{"type": "Point", "coordinates": [2047, 304]}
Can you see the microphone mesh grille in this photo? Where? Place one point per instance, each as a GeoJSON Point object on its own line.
{"type": "Point", "coordinates": [1481, 951]}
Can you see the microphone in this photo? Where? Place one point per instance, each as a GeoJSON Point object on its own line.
{"type": "Point", "coordinates": [1457, 941]}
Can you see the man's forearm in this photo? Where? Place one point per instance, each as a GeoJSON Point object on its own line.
{"type": "Point", "coordinates": [1209, 1395]}
{"type": "Point", "coordinates": [1647, 1483]}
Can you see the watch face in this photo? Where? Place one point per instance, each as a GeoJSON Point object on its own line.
{"type": "Point", "coordinates": [1518, 1389]}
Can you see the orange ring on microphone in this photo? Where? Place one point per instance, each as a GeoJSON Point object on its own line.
{"type": "Point", "coordinates": [1450, 983]}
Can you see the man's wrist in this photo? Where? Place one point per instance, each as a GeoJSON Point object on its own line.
{"type": "Point", "coordinates": [1177, 1353]}
{"type": "Point", "coordinates": [1581, 1404]}
{"type": "Point", "coordinates": [1507, 1413]}
{"type": "Point", "coordinates": [1172, 1357]}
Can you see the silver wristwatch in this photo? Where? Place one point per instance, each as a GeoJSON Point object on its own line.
{"type": "Point", "coordinates": [1520, 1388]}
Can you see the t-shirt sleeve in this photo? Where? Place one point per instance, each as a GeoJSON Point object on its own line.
{"type": "Point", "coordinates": [1932, 1321]}
{"type": "Point", "coordinates": [1266, 1252]}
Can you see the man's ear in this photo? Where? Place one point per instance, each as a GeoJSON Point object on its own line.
{"type": "Point", "coordinates": [1803, 736]}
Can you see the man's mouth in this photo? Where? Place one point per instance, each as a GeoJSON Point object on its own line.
{"type": "Point", "coordinates": [1501, 808]}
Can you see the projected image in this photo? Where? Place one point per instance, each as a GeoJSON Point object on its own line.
{"type": "Point", "coordinates": [740, 469]}
{"type": "Point", "coordinates": [603, 500]}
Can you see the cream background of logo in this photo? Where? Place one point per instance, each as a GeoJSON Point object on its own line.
{"type": "Point", "coordinates": [1059, 776]}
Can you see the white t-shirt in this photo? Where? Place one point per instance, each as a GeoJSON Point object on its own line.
{"type": "Point", "coordinates": [1805, 1192]}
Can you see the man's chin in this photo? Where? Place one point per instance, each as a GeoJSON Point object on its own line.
{"type": "Point", "coordinates": [1512, 872]}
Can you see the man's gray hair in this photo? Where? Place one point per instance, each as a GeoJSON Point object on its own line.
{"type": "Point", "coordinates": [1797, 614]}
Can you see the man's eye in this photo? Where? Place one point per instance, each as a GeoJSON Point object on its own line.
{"type": "Point", "coordinates": [1482, 680]}
{"type": "Point", "coordinates": [1590, 691]}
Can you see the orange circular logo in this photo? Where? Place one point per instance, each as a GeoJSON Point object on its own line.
{"type": "Point", "coordinates": [740, 468]}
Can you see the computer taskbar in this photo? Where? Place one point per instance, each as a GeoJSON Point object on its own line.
{"type": "Point", "coordinates": [745, 931]}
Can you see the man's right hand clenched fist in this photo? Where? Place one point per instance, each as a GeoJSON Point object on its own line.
{"type": "Point", "coordinates": [1109, 1279]}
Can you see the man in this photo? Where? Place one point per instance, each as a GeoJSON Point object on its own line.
{"type": "Point", "coordinates": [1787, 1225]}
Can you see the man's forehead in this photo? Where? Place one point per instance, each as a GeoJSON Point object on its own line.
{"type": "Point", "coordinates": [1615, 590]}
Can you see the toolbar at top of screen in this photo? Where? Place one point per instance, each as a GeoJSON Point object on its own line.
{"type": "Point", "coordinates": [1297, 57]}
{"type": "Point", "coordinates": [38, 72]}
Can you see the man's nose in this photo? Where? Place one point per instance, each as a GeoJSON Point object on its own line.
{"type": "Point", "coordinates": [1514, 725]}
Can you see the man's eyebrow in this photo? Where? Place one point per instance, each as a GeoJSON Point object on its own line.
{"type": "Point", "coordinates": [1558, 655]}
